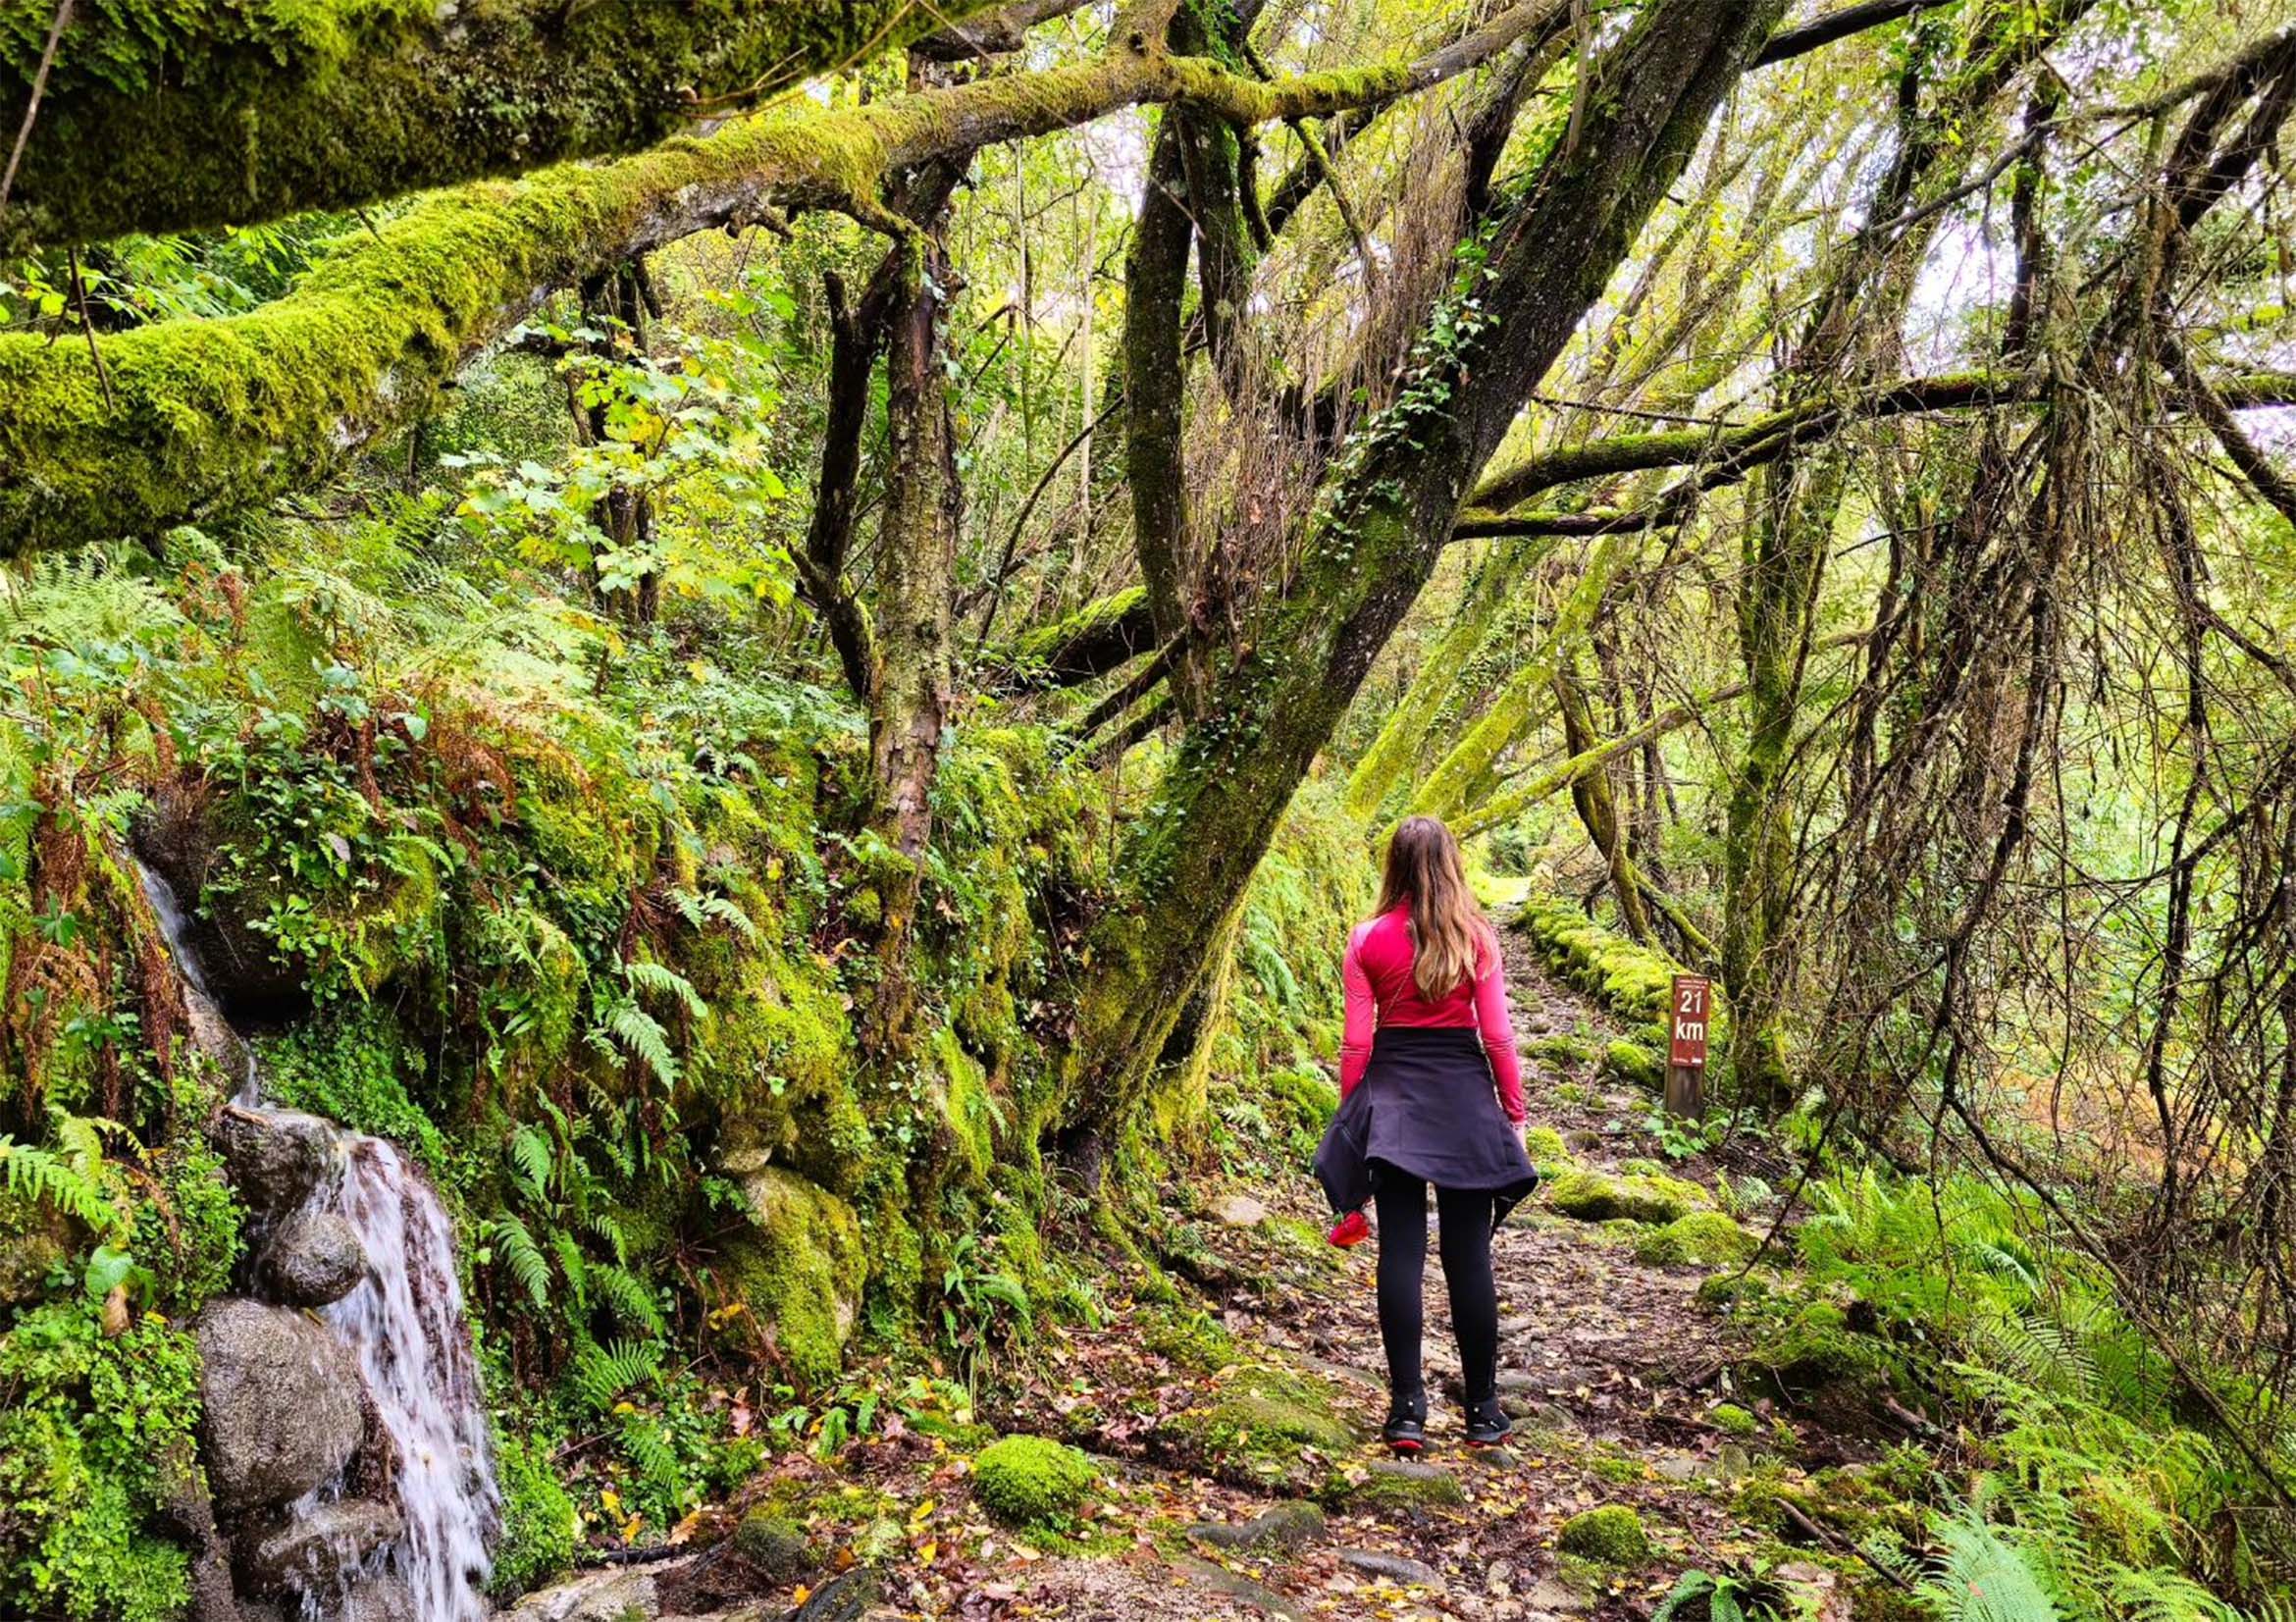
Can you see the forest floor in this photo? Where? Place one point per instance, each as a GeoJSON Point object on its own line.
{"type": "Point", "coordinates": [1610, 1366]}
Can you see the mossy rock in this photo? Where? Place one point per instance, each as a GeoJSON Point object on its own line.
{"type": "Point", "coordinates": [1254, 1430]}
{"type": "Point", "coordinates": [774, 1546]}
{"type": "Point", "coordinates": [1545, 1144]}
{"type": "Point", "coordinates": [1702, 1238]}
{"type": "Point", "coordinates": [1562, 1050]}
{"type": "Point", "coordinates": [1032, 1481]}
{"type": "Point", "coordinates": [1281, 1416]}
{"type": "Point", "coordinates": [1732, 1420]}
{"type": "Point", "coordinates": [1405, 1486]}
{"type": "Point", "coordinates": [800, 1269]}
{"type": "Point", "coordinates": [1814, 1349]}
{"type": "Point", "coordinates": [1596, 1196]}
{"type": "Point", "coordinates": [1611, 1535]}
{"type": "Point", "coordinates": [1635, 1062]}
{"type": "Point", "coordinates": [1723, 1289]}
{"type": "Point", "coordinates": [1642, 1166]}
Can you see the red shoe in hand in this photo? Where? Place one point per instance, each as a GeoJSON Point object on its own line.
{"type": "Point", "coordinates": [1349, 1231]}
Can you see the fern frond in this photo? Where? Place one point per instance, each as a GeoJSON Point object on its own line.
{"type": "Point", "coordinates": [665, 981]}
{"type": "Point", "coordinates": [523, 1259]}
{"type": "Point", "coordinates": [601, 1374]}
{"type": "Point", "coordinates": [530, 1160]}
{"type": "Point", "coordinates": [642, 1035]}
{"type": "Point", "coordinates": [629, 1297]}
{"type": "Point", "coordinates": [38, 1176]}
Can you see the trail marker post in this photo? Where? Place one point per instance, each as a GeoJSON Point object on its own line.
{"type": "Point", "coordinates": [1691, 1014]}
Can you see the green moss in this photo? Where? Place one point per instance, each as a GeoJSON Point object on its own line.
{"type": "Point", "coordinates": [774, 1545]}
{"type": "Point", "coordinates": [1547, 1150]}
{"type": "Point", "coordinates": [1610, 1535]}
{"type": "Point", "coordinates": [1632, 1062]}
{"type": "Point", "coordinates": [1723, 1289]}
{"type": "Point", "coordinates": [1814, 1349]}
{"type": "Point", "coordinates": [1258, 1427]}
{"type": "Point", "coordinates": [799, 1270]}
{"type": "Point", "coordinates": [1702, 1238]}
{"type": "Point", "coordinates": [1618, 1469]}
{"type": "Point", "coordinates": [385, 94]}
{"type": "Point", "coordinates": [1562, 1050]}
{"type": "Point", "coordinates": [1400, 1488]}
{"type": "Point", "coordinates": [1032, 1481]}
{"type": "Point", "coordinates": [541, 1527]}
{"type": "Point", "coordinates": [1595, 1197]}
{"type": "Point", "coordinates": [1732, 1420]}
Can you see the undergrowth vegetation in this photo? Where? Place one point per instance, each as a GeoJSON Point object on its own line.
{"type": "Point", "coordinates": [596, 948]}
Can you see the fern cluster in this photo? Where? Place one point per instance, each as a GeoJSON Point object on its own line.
{"type": "Point", "coordinates": [2104, 1502]}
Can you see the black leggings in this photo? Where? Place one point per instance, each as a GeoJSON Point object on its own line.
{"type": "Point", "coordinates": [1464, 1241]}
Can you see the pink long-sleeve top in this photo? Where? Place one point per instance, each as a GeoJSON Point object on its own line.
{"type": "Point", "coordinates": [1377, 973]}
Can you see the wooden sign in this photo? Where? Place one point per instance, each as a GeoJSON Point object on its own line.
{"type": "Point", "coordinates": [1691, 1018]}
{"type": "Point", "coordinates": [1694, 1007]}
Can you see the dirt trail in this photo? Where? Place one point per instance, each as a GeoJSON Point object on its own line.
{"type": "Point", "coordinates": [1232, 1428]}
{"type": "Point", "coordinates": [1609, 1366]}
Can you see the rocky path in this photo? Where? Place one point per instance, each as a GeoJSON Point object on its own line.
{"type": "Point", "coordinates": [1230, 1432]}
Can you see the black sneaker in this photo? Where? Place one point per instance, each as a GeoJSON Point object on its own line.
{"type": "Point", "coordinates": [1406, 1429]}
{"type": "Point", "coordinates": [1487, 1424]}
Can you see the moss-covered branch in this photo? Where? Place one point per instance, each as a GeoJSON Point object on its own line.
{"type": "Point", "coordinates": [169, 117]}
{"type": "Point", "coordinates": [202, 416]}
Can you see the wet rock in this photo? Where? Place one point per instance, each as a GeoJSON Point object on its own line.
{"type": "Point", "coordinates": [188, 1514]}
{"type": "Point", "coordinates": [177, 838]}
{"type": "Point", "coordinates": [274, 1157]}
{"type": "Point", "coordinates": [1283, 1525]}
{"type": "Point", "coordinates": [623, 1595]}
{"type": "Point", "coordinates": [1392, 1568]}
{"type": "Point", "coordinates": [280, 1401]}
{"type": "Point", "coordinates": [1552, 1596]}
{"type": "Point", "coordinates": [375, 1599]}
{"type": "Point", "coordinates": [312, 1552]}
{"type": "Point", "coordinates": [314, 1258]}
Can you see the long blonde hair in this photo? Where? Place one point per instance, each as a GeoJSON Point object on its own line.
{"type": "Point", "coordinates": [1448, 933]}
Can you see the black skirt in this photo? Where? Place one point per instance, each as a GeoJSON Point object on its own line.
{"type": "Point", "coordinates": [1427, 1106]}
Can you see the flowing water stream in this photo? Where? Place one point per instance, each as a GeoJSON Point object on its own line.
{"type": "Point", "coordinates": [404, 1325]}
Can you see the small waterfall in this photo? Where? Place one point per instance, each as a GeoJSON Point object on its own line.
{"type": "Point", "coordinates": [404, 1325]}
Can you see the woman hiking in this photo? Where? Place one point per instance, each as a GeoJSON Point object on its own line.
{"type": "Point", "coordinates": [1430, 1094]}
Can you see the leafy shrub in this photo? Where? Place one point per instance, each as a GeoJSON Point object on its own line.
{"type": "Point", "coordinates": [95, 1438]}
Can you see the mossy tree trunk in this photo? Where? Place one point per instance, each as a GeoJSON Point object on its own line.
{"type": "Point", "coordinates": [180, 117]}
{"type": "Point", "coordinates": [1597, 807]}
{"type": "Point", "coordinates": [1386, 513]}
{"type": "Point", "coordinates": [912, 684]}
